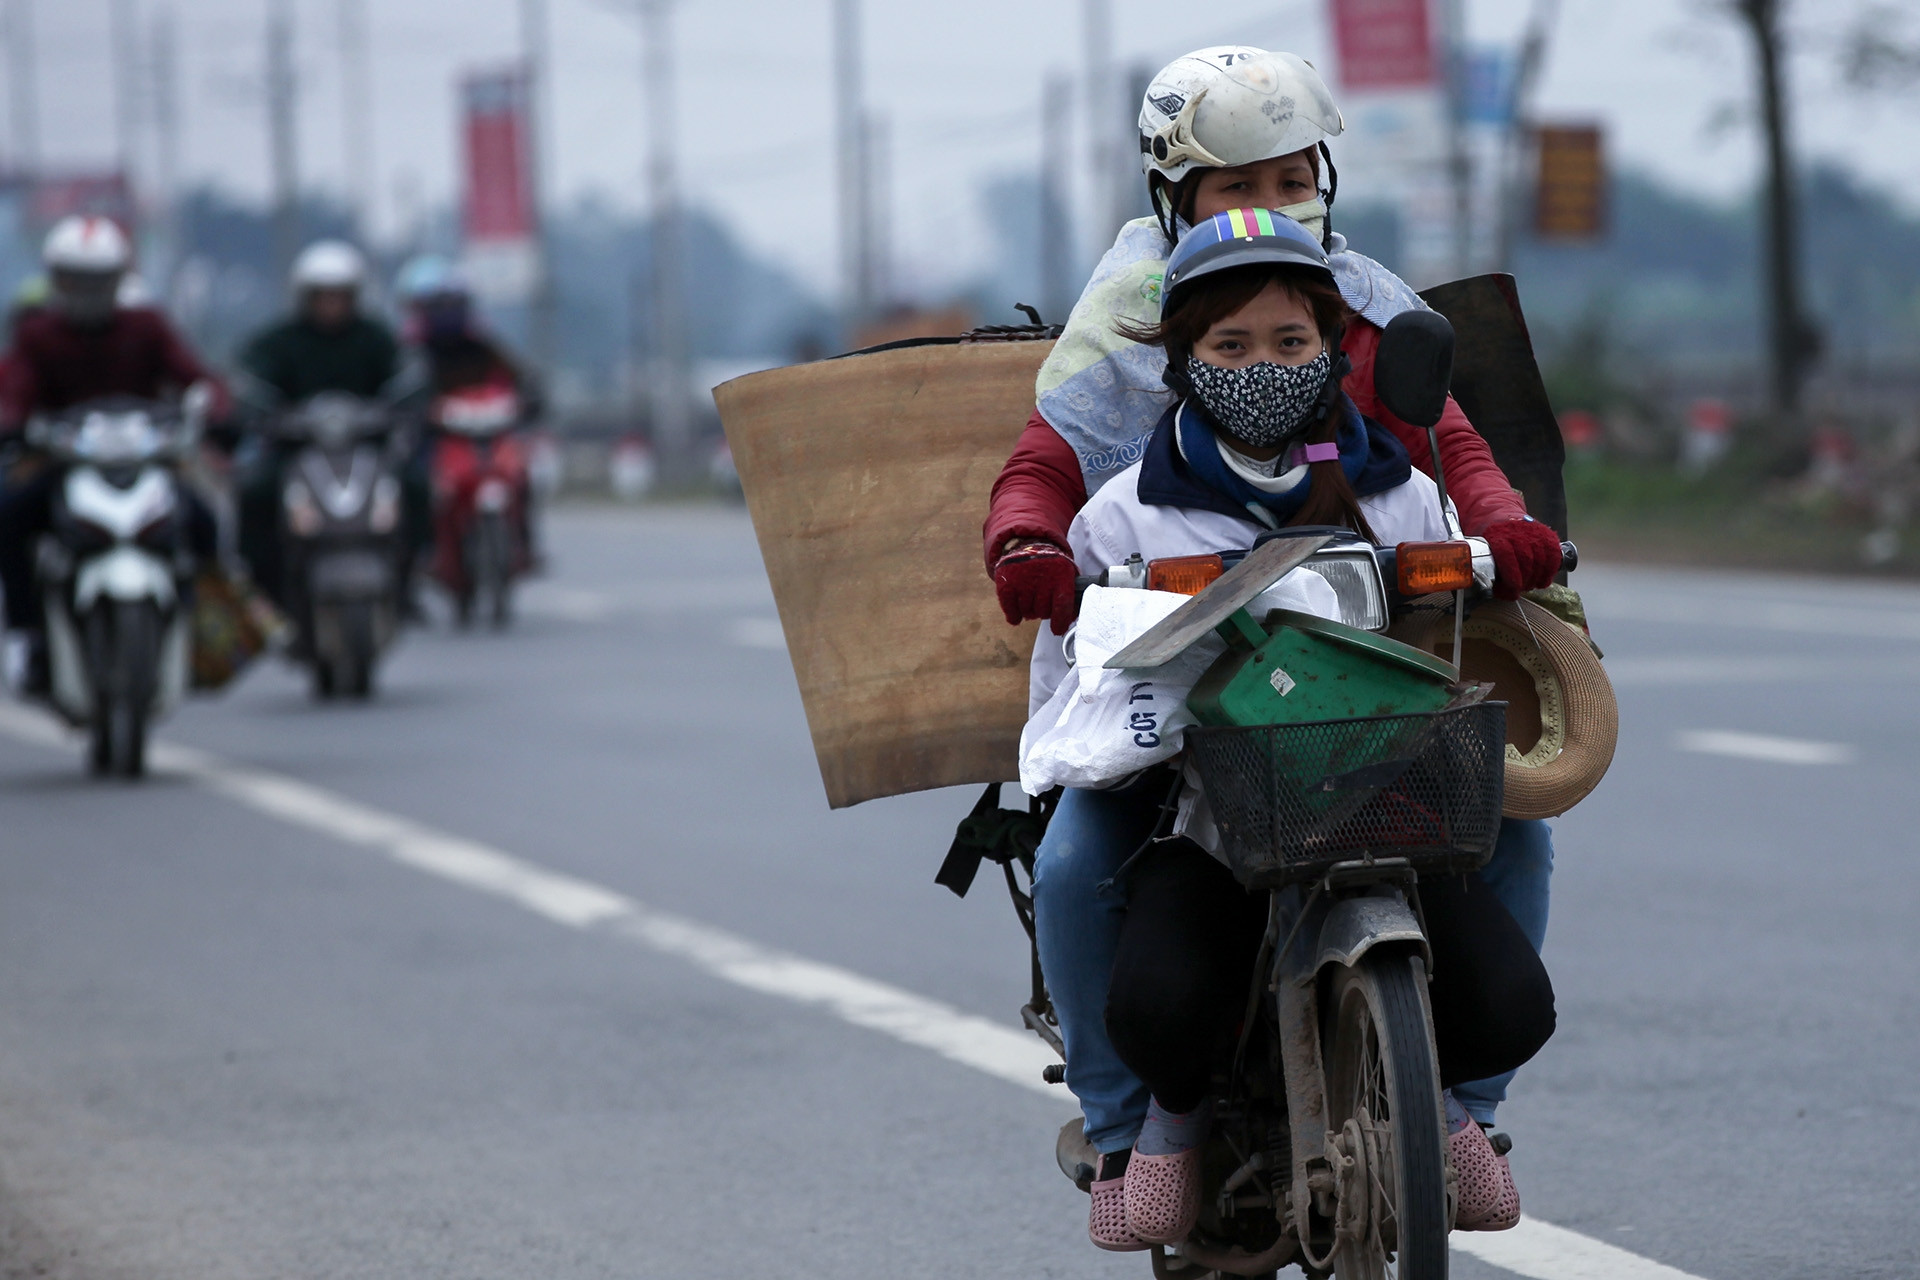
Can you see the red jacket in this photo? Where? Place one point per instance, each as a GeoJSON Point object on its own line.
{"type": "Point", "coordinates": [55, 364]}
{"type": "Point", "coordinates": [1041, 487]}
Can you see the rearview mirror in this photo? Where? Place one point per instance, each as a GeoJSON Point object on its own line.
{"type": "Point", "coordinates": [1414, 367]}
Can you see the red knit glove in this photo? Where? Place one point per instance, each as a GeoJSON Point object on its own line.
{"type": "Point", "coordinates": [1035, 580]}
{"type": "Point", "coordinates": [1526, 556]}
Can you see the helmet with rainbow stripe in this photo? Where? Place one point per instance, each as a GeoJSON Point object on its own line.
{"type": "Point", "coordinates": [1240, 238]}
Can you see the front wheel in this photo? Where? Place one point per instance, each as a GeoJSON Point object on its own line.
{"type": "Point", "coordinates": [1384, 1112]}
{"type": "Point", "coordinates": [125, 648]}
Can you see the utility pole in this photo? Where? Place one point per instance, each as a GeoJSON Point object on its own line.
{"type": "Point", "coordinates": [879, 207]}
{"type": "Point", "coordinates": [543, 317]}
{"type": "Point", "coordinates": [1513, 147]}
{"type": "Point", "coordinates": [1096, 29]}
{"type": "Point", "coordinates": [1056, 241]}
{"type": "Point", "coordinates": [850, 134]}
{"type": "Point", "coordinates": [23, 105]}
{"type": "Point", "coordinates": [164, 68]}
{"type": "Point", "coordinates": [1459, 161]}
{"type": "Point", "coordinates": [672, 425]}
{"type": "Point", "coordinates": [282, 138]}
{"type": "Point", "coordinates": [356, 111]}
{"type": "Point", "coordinates": [124, 39]}
{"type": "Point", "coordinates": [1794, 342]}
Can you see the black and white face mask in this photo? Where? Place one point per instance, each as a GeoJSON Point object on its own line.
{"type": "Point", "coordinates": [1263, 404]}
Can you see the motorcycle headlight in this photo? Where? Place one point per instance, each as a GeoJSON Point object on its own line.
{"type": "Point", "coordinates": [384, 513]}
{"type": "Point", "coordinates": [303, 513]}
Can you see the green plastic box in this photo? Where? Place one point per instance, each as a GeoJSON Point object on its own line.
{"type": "Point", "coordinates": [1300, 668]}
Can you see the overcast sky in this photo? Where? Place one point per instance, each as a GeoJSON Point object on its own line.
{"type": "Point", "coordinates": [960, 82]}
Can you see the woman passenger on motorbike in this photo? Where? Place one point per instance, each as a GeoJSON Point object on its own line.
{"type": "Point", "coordinates": [1262, 436]}
{"type": "Point", "coordinates": [1221, 128]}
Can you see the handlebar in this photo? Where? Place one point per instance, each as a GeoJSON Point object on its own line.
{"type": "Point", "coordinates": [1385, 557]}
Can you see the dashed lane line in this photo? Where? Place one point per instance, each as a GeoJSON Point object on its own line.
{"type": "Point", "coordinates": [1761, 746]}
{"type": "Point", "coordinates": [1534, 1249]}
{"type": "Point", "coordinates": [1543, 1251]}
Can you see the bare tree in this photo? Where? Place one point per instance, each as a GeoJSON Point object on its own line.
{"type": "Point", "coordinates": [1873, 53]}
{"type": "Point", "coordinates": [1793, 341]}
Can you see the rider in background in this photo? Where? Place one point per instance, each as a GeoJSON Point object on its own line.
{"type": "Point", "coordinates": [328, 343]}
{"type": "Point", "coordinates": [458, 355]}
{"type": "Point", "coordinates": [80, 345]}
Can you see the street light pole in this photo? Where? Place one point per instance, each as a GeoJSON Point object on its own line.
{"type": "Point", "coordinates": [672, 425]}
{"type": "Point", "coordinates": [282, 134]}
{"type": "Point", "coordinates": [23, 105]}
{"type": "Point", "coordinates": [125, 42]}
{"type": "Point", "coordinates": [356, 103]}
{"type": "Point", "coordinates": [535, 55]}
{"type": "Point", "coordinates": [851, 140]}
{"type": "Point", "coordinates": [1096, 31]}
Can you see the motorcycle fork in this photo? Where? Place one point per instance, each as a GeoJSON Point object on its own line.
{"type": "Point", "coordinates": [1297, 1011]}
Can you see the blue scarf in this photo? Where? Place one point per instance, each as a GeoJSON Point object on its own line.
{"type": "Point", "coordinates": [1193, 474]}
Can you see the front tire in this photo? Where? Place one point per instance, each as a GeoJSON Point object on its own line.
{"type": "Point", "coordinates": [125, 649]}
{"type": "Point", "coordinates": [1383, 1096]}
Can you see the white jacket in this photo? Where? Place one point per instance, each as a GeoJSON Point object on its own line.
{"type": "Point", "coordinates": [1115, 524]}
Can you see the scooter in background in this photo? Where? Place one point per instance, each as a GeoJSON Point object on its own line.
{"type": "Point", "coordinates": [481, 487]}
{"type": "Point", "coordinates": [341, 537]}
{"type": "Point", "coordinates": [114, 572]}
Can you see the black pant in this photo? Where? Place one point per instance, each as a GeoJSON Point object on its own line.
{"type": "Point", "coordinates": [1191, 935]}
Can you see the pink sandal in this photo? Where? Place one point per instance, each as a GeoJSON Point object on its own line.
{"type": "Point", "coordinates": [1107, 1218]}
{"type": "Point", "coordinates": [1488, 1199]}
{"type": "Point", "coordinates": [1163, 1196]}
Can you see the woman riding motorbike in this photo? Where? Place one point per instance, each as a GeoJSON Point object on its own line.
{"type": "Point", "coordinates": [1261, 437]}
{"type": "Point", "coordinates": [1220, 128]}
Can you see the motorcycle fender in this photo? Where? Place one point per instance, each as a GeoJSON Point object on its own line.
{"type": "Point", "coordinates": [350, 575]}
{"type": "Point", "coordinates": [1355, 926]}
{"type": "Point", "coordinates": [72, 687]}
{"type": "Point", "coordinates": [124, 573]}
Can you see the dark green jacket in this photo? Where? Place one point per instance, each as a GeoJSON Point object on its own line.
{"type": "Point", "coordinates": [300, 360]}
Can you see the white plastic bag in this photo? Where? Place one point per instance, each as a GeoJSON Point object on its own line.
{"type": "Point", "coordinates": [1101, 727]}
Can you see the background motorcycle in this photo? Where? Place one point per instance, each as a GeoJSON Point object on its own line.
{"type": "Point", "coordinates": [114, 572]}
{"type": "Point", "coordinates": [480, 485]}
{"type": "Point", "coordinates": [343, 547]}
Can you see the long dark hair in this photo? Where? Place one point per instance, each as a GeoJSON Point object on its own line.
{"type": "Point", "coordinates": [1211, 299]}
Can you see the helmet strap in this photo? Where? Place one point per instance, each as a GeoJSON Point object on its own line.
{"type": "Point", "coordinates": [1166, 204]}
{"type": "Point", "coordinates": [1330, 193]}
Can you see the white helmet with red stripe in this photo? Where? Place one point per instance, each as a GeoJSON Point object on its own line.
{"type": "Point", "coordinates": [92, 245]}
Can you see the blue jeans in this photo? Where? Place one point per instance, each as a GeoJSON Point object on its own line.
{"type": "Point", "coordinates": [1078, 927]}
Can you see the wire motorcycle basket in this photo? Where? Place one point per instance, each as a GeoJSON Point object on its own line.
{"type": "Point", "coordinates": [1292, 800]}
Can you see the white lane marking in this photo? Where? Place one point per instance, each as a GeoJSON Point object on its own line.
{"type": "Point", "coordinates": [1543, 1251]}
{"type": "Point", "coordinates": [1534, 1249]}
{"type": "Point", "coordinates": [569, 604]}
{"type": "Point", "coordinates": [1744, 613]}
{"type": "Point", "coordinates": [1760, 746]}
{"type": "Point", "coordinates": [1014, 1056]}
{"type": "Point", "coordinates": [757, 633]}
{"type": "Point", "coordinates": [1728, 669]}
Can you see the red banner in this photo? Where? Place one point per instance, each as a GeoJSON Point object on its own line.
{"type": "Point", "coordinates": [1385, 44]}
{"type": "Point", "coordinates": [499, 158]}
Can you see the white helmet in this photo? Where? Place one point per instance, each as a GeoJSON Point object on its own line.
{"type": "Point", "coordinates": [1232, 105]}
{"type": "Point", "coordinates": [328, 264]}
{"type": "Point", "coordinates": [91, 245]}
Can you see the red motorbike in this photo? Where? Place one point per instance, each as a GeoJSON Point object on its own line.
{"type": "Point", "coordinates": [480, 487]}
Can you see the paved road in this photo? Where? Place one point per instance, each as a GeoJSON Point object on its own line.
{"type": "Point", "coordinates": [249, 1029]}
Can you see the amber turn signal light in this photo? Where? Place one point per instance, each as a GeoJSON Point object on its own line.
{"type": "Point", "coordinates": [1429, 567]}
{"type": "Point", "coordinates": [1185, 575]}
